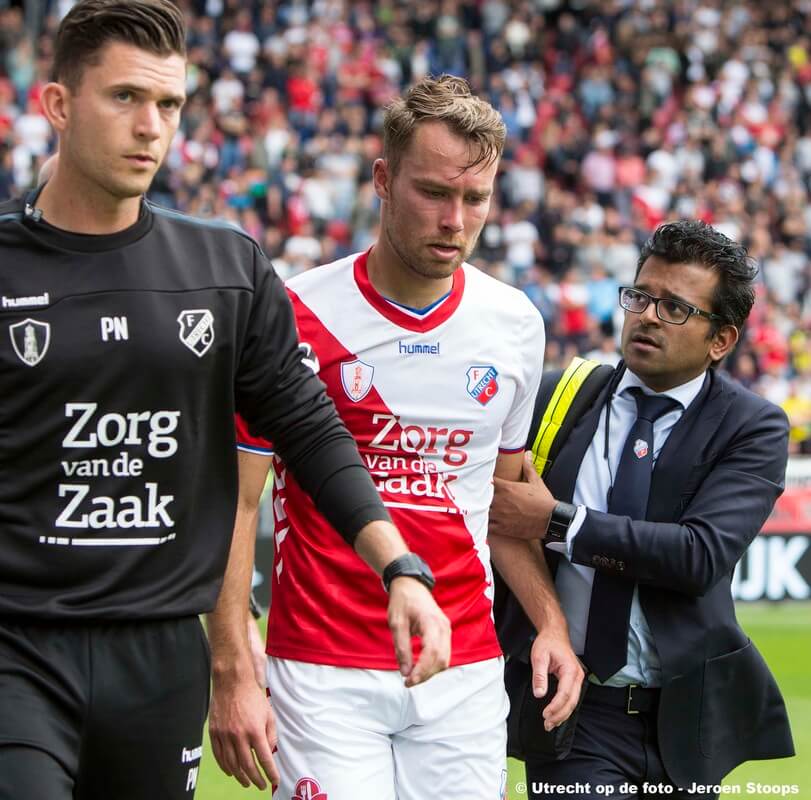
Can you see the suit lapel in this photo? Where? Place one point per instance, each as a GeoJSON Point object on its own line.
{"type": "Point", "coordinates": [685, 447]}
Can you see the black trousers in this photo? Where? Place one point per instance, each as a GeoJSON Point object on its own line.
{"type": "Point", "coordinates": [102, 710]}
{"type": "Point", "coordinates": [611, 748]}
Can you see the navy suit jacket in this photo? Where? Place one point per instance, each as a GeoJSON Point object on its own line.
{"type": "Point", "coordinates": [714, 484]}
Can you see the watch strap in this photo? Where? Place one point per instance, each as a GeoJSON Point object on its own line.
{"type": "Point", "coordinates": [559, 522]}
{"type": "Point", "coordinates": [408, 565]}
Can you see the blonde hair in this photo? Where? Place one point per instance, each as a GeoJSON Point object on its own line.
{"type": "Point", "coordinates": [446, 99]}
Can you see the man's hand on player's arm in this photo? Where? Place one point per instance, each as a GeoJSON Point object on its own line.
{"type": "Point", "coordinates": [521, 504]}
{"type": "Point", "coordinates": [522, 565]}
{"type": "Point", "coordinates": [412, 609]}
{"type": "Point", "coordinates": [241, 722]}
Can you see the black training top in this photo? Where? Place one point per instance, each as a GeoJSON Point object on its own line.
{"type": "Point", "coordinates": [122, 361]}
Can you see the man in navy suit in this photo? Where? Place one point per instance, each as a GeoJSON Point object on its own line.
{"type": "Point", "coordinates": [652, 500]}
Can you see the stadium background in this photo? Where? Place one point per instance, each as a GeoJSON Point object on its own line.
{"type": "Point", "coordinates": [621, 114]}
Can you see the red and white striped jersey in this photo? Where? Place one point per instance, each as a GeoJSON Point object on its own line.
{"type": "Point", "coordinates": [431, 399]}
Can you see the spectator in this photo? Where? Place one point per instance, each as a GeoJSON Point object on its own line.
{"type": "Point", "coordinates": [241, 45]}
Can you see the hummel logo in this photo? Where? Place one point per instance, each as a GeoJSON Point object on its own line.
{"type": "Point", "coordinates": [26, 302]}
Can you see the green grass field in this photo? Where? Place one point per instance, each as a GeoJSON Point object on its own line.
{"type": "Point", "coordinates": [782, 633]}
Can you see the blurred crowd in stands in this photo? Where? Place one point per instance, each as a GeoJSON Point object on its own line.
{"type": "Point", "coordinates": [621, 114]}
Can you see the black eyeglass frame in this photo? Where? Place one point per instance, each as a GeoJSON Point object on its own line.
{"type": "Point", "coordinates": [692, 310]}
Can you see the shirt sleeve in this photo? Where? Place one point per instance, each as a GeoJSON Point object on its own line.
{"type": "Point", "coordinates": [531, 346]}
{"type": "Point", "coordinates": [282, 401]}
{"type": "Point", "coordinates": [249, 443]}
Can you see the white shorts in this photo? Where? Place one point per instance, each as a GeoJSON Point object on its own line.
{"type": "Point", "coordinates": [359, 734]}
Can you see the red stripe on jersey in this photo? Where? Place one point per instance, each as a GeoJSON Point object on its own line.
{"type": "Point", "coordinates": [327, 606]}
{"type": "Point", "coordinates": [398, 317]}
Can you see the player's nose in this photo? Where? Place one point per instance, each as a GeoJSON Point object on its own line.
{"type": "Point", "coordinates": [452, 218]}
{"type": "Point", "coordinates": [148, 122]}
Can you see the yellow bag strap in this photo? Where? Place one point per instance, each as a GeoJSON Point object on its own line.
{"type": "Point", "coordinates": [570, 383]}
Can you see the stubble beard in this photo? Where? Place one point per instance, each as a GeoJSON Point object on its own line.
{"type": "Point", "coordinates": [99, 164]}
{"type": "Point", "coordinates": [425, 267]}
{"type": "Point", "coordinates": [127, 186]}
{"type": "Point", "coordinates": [118, 186]}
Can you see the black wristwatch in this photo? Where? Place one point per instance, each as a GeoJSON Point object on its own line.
{"type": "Point", "coordinates": [559, 522]}
{"type": "Point", "coordinates": [411, 566]}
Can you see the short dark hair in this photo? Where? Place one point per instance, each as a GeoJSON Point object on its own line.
{"type": "Point", "coordinates": [445, 99]}
{"type": "Point", "coordinates": [154, 25]}
{"type": "Point", "coordinates": [695, 242]}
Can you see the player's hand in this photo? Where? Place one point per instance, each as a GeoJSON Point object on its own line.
{"type": "Point", "coordinates": [414, 612]}
{"type": "Point", "coordinates": [243, 732]}
{"type": "Point", "coordinates": [521, 510]}
{"type": "Point", "coordinates": [552, 653]}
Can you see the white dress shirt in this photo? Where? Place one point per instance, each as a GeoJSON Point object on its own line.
{"type": "Point", "coordinates": [574, 581]}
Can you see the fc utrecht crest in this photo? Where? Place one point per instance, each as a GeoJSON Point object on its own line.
{"type": "Point", "coordinates": [308, 789]}
{"type": "Point", "coordinates": [640, 448]}
{"type": "Point", "coordinates": [356, 377]}
{"type": "Point", "coordinates": [197, 330]}
{"type": "Point", "coordinates": [30, 339]}
{"type": "Point", "coordinates": [481, 383]}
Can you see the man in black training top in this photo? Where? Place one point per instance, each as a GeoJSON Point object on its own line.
{"type": "Point", "coordinates": [131, 335]}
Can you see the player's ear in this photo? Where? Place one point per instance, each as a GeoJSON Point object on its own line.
{"type": "Point", "coordinates": [55, 103]}
{"type": "Point", "coordinates": [381, 177]}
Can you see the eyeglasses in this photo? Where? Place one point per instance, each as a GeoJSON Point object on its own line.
{"type": "Point", "coordinates": [676, 312]}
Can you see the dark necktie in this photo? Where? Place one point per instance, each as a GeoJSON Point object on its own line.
{"type": "Point", "coordinates": [606, 645]}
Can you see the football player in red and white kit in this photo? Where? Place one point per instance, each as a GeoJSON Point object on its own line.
{"type": "Point", "coordinates": [434, 368]}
